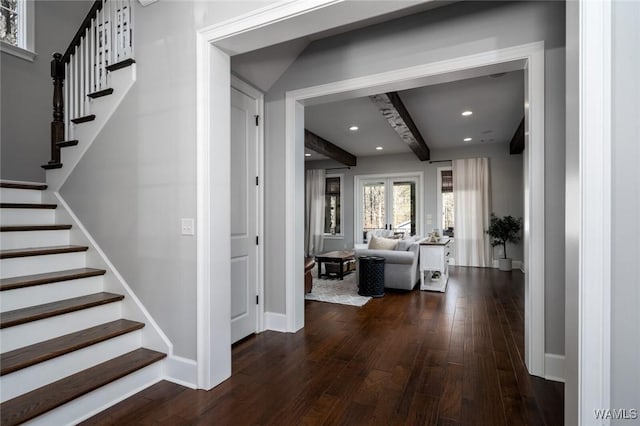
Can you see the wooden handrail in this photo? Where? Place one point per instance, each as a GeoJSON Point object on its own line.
{"type": "Point", "coordinates": [75, 42]}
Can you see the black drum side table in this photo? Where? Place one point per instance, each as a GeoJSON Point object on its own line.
{"type": "Point", "coordinates": [371, 278]}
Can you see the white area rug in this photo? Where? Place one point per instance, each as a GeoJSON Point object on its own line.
{"type": "Point", "coordinates": [344, 292]}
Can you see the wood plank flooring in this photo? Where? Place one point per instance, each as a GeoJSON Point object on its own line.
{"type": "Point", "coordinates": [416, 358]}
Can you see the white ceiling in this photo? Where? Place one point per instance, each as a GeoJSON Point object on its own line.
{"type": "Point", "coordinates": [263, 67]}
{"type": "Point", "coordinates": [497, 105]}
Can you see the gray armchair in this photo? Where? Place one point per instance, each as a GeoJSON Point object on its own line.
{"type": "Point", "coordinates": [401, 264]}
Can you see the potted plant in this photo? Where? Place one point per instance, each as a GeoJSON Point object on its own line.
{"type": "Point", "coordinates": [504, 230]}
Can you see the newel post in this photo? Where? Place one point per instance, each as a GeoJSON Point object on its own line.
{"type": "Point", "coordinates": [57, 125]}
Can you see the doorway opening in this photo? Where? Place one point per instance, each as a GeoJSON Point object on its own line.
{"type": "Point", "coordinates": [530, 59]}
{"type": "Point", "coordinates": [214, 355]}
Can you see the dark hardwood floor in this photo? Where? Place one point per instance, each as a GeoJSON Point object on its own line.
{"type": "Point", "coordinates": [404, 359]}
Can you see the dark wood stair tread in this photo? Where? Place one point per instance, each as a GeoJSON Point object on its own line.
{"type": "Point", "coordinates": [40, 251]}
{"type": "Point", "coordinates": [15, 185]}
{"type": "Point", "coordinates": [51, 166]}
{"type": "Point", "coordinates": [121, 64]}
{"type": "Point", "coordinates": [38, 312]}
{"type": "Point", "coordinates": [48, 278]}
{"type": "Point", "coordinates": [30, 355]}
{"type": "Point", "coordinates": [39, 401]}
{"type": "Point", "coordinates": [64, 144]}
{"type": "Point", "coordinates": [22, 228]}
{"type": "Point", "coordinates": [100, 93]}
{"type": "Point", "coordinates": [28, 206]}
{"type": "Point", "coordinates": [83, 119]}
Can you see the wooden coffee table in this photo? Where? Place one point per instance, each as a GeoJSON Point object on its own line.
{"type": "Point", "coordinates": [336, 257]}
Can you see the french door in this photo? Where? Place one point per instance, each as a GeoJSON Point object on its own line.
{"type": "Point", "coordinates": [391, 202]}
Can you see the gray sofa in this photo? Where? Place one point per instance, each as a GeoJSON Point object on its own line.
{"type": "Point", "coordinates": [401, 264]}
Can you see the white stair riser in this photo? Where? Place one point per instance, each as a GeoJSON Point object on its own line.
{"type": "Point", "coordinates": [100, 399]}
{"type": "Point", "coordinates": [28, 379]}
{"type": "Point", "coordinates": [12, 195]}
{"type": "Point", "coordinates": [15, 240]}
{"type": "Point", "coordinates": [27, 216]}
{"type": "Point", "coordinates": [46, 293]}
{"type": "Point", "coordinates": [36, 331]}
{"type": "Point", "coordinates": [20, 266]}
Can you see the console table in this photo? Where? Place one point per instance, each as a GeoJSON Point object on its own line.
{"type": "Point", "coordinates": [434, 257]}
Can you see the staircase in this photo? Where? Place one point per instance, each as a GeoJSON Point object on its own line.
{"type": "Point", "coordinates": [66, 351]}
{"type": "Point", "coordinates": [62, 336]}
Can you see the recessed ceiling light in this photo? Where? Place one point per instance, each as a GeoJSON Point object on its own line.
{"type": "Point", "coordinates": [354, 128]}
{"type": "Point", "coordinates": [467, 139]}
{"type": "Point", "coordinates": [466, 113]}
{"type": "Point", "coordinates": [379, 148]}
{"type": "Point", "coordinates": [307, 155]}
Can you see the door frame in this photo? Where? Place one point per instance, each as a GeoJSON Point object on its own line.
{"type": "Point", "coordinates": [357, 183]}
{"type": "Point", "coordinates": [531, 58]}
{"type": "Point", "coordinates": [213, 182]}
{"type": "Point", "coordinates": [258, 96]}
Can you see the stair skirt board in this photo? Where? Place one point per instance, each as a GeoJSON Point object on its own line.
{"type": "Point", "coordinates": [38, 375]}
{"type": "Point", "coordinates": [102, 398]}
{"type": "Point", "coordinates": [16, 267]}
{"type": "Point", "coordinates": [14, 195]}
{"type": "Point", "coordinates": [24, 216]}
{"type": "Point", "coordinates": [37, 331]}
{"type": "Point", "coordinates": [37, 295]}
{"type": "Point", "coordinates": [18, 239]}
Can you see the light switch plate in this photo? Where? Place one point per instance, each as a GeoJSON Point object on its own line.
{"type": "Point", "coordinates": [188, 227]}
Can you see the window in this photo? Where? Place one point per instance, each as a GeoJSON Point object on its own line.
{"type": "Point", "coordinates": [390, 203]}
{"type": "Point", "coordinates": [446, 204]}
{"type": "Point", "coordinates": [16, 28]}
{"type": "Point", "coordinates": [333, 205]}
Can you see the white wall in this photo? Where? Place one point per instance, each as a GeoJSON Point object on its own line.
{"type": "Point", "coordinates": [456, 30]}
{"type": "Point", "coordinates": [507, 197]}
{"type": "Point", "coordinates": [27, 91]}
{"type": "Point", "coordinates": [625, 196]}
{"type": "Point", "coordinates": [138, 178]}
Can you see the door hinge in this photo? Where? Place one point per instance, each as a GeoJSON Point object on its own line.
{"type": "Point", "coordinates": [257, 299]}
{"type": "Point", "coordinates": [257, 240]}
{"type": "Point", "coordinates": [257, 120]}
{"type": "Point", "coordinates": [257, 180]}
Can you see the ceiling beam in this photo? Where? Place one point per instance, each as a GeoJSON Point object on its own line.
{"type": "Point", "coordinates": [392, 108]}
{"type": "Point", "coordinates": [516, 146]}
{"type": "Point", "coordinates": [326, 148]}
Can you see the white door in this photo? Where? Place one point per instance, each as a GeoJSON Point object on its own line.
{"type": "Point", "coordinates": [244, 256]}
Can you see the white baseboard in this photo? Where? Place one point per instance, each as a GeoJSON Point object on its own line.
{"type": "Point", "coordinates": [276, 322]}
{"type": "Point", "coordinates": [554, 367]}
{"type": "Point", "coordinates": [182, 371]}
{"type": "Point", "coordinates": [516, 264]}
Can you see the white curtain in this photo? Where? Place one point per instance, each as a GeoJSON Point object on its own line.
{"type": "Point", "coordinates": [471, 211]}
{"type": "Point", "coordinates": [314, 212]}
